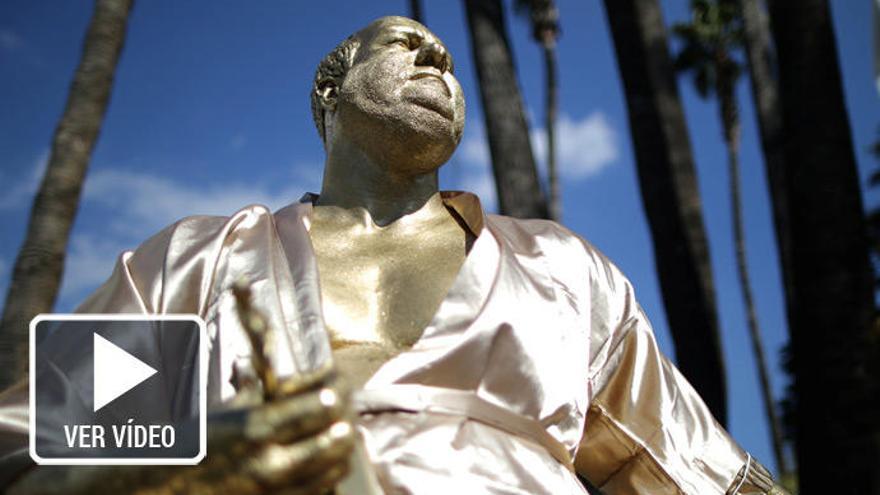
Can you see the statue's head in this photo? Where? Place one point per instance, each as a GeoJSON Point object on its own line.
{"type": "Point", "coordinates": [389, 90]}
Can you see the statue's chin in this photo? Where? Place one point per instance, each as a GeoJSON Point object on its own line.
{"type": "Point", "coordinates": [432, 161]}
{"type": "Point", "coordinates": [419, 159]}
{"type": "Point", "coordinates": [408, 137]}
{"type": "Point", "coordinates": [420, 145]}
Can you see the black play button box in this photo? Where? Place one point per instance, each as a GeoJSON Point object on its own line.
{"type": "Point", "coordinates": [117, 389]}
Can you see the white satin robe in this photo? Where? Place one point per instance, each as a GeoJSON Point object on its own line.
{"type": "Point", "coordinates": [538, 364]}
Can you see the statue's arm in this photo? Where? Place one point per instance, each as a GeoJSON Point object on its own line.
{"type": "Point", "coordinates": [648, 431]}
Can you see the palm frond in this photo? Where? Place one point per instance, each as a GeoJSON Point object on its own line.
{"type": "Point", "coordinates": [544, 17]}
{"type": "Point", "coordinates": [709, 42]}
{"type": "Point", "coordinates": [704, 82]}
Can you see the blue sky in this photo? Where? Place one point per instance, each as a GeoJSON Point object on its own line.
{"type": "Point", "coordinates": [210, 112]}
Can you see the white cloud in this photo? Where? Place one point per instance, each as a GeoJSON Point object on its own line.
{"type": "Point", "coordinates": [476, 174]}
{"type": "Point", "coordinates": [309, 176]}
{"type": "Point", "coordinates": [89, 262]}
{"type": "Point", "coordinates": [135, 206]}
{"type": "Point", "coordinates": [158, 200]}
{"type": "Point", "coordinates": [584, 147]}
{"type": "Point", "coordinates": [9, 40]}
{"type": "Point", "coordinates": [21, 194]}
{"type": "Point", "coordinates": [150, 202]}
{"type": "Point", "coordinates": [481, 183]}
{"type": "Point", "coordinates": [474, 149]}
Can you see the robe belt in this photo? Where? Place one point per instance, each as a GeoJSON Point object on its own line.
{"type": "Point", "coordinates": [440, 400]}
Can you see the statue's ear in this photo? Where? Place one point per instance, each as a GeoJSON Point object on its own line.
{"type": "Point", "coordinates": [327, 91]}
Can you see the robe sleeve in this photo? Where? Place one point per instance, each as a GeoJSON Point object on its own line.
{"type": "Point", "coordinates": [647, 429]}
{"type": "Point", "coordinates": [170, 272]}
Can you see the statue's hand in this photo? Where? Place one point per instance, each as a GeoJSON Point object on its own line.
{"type": "Point", "coordinates": [300, 442]}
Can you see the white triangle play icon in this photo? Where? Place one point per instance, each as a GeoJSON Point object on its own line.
{"type": "Point", "coordinates": [116, 372]}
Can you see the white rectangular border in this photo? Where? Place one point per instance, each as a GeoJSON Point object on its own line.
{"type": "Point", "coordinates": [103, 461]}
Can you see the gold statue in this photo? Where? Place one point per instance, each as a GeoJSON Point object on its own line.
{"type": "Point", "coordinates": [387, 247]}
{"type": "Point", "coordinates": [487, 354]}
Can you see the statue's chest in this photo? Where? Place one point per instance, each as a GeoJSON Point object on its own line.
{"type": "Point", "coordinates": [383, 295]}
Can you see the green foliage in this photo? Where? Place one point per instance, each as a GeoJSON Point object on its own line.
{"type": "Point", "coordinates": [544, 17]}
{"type": "Point", "coordinates": [709, 41]}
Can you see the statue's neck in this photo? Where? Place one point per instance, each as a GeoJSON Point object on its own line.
{"type": "Point", "coordinates": [355, 221]}
{"type": "Point", "coordinates": [352, 180]}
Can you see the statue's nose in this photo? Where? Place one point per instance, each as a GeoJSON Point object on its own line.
{"type": "Point", "coordinates": [433, 54]}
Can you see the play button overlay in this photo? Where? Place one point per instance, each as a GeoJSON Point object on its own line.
{"type": "Point", "coordinates": [116, 371]}
{"type": "Point", "coordinates": [117, 389]}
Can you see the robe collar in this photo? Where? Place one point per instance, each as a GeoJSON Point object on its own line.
{"type": "Point", "coordinates": [466, 205]}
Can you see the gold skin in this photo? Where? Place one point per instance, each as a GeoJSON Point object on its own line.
{"type": "Point", "coordinates": [380, 286]}
{"type": "Point", "coordinates": [388, 251]}
{"type": "Point", "coordinates": [387, 247]}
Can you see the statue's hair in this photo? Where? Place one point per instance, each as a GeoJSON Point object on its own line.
{"type": "Point", "coordinates": [332, 69]}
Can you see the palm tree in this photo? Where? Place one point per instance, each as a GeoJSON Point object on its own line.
{"type": "Point", "coordinates": [834, 344]}
{"type": "Point", "coordinates": [40, 262]}
{"type": "Point", "coordinates": [714, 33]}
{"type": "Point", "coordinates": [516, 176]}
{"type": "Point", "coordinates": [415, 11]}
{"type": "Point", "coordinates": [669, 194]}
{"type": "Point", "coordinates": [545, 30]}
{"type": "Point", "coordinates": [765, 95]}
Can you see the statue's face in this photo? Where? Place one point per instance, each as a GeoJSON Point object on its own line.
{"type": "Point", "coordinates": [400, 101]}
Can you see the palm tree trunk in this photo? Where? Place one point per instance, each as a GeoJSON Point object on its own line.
{"type": "Point", "coordinates": [730, 121]}
{"type": "Point", "coordinates": [415, 10]}
{"type": "Point", "coordinates": [765, 94]}
{"type": "Point", "coordinates": [669, 194]}
{"type": "Point", "coordinates": [776, 439]}
{"type": "Point", "coordinates": [516, 176]}
{"type": "Point", "coordinates": [552, 88]}
{"type": "Point", "coordinates": [830, 310]}
{"type": "Point", "coordinates": [40, 263]}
